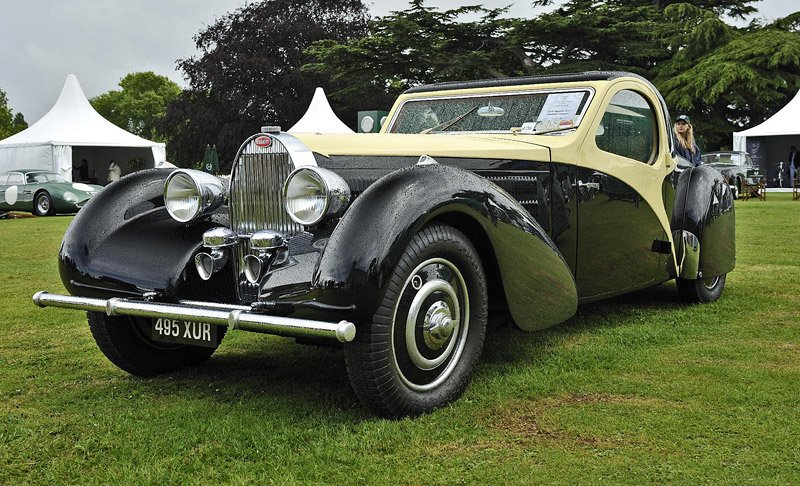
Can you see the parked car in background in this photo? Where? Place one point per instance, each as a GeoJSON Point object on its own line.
{"type": "Point", "coordinates": [43, 193]}
{"type": "Point", "coordinates": [737, 167]}
{"type": "Point", "coordinates": [513, 198]}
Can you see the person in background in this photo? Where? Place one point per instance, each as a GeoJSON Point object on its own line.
{"type": "Point", "coordinates": [83, 171]}
{"type": "Point", "coordinates": [114, 171]}
{"type": "Point", "coordinates": [684, 136]}
{"type": "Point", "coordinates": [794, 164]}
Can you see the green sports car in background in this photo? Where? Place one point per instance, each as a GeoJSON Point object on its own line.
{"type": "Point", "coordinates": [43, 193]}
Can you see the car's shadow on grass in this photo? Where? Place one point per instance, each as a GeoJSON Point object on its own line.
{"type": "Point", "coordinates": [506, 344]}
{"type": "Point", "coordinates": [270, 372]}
{"type": "Point", "coordinates": [274, 373]}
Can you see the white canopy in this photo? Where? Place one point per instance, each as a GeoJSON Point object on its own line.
{"type": "Point", "coordinates": [73, 132]}
{"type": "Point", "coordinates": [319, 117]}
{"type": "Point", "coordinates": [784, 122]}
{"type": "Point", "coordinates": [768, 143]}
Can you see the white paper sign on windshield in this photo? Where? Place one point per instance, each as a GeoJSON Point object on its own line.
{"type": "Point", "coordinates": [561, 106]}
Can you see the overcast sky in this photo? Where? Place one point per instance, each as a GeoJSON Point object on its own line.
{"type": "Point", "coordinates": [100, 41]}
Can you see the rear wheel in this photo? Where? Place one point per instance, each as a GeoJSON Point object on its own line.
{"type": "Point", "coordinates": [43, 204]}
{"type": "Point", "coordinates": [422, 345]}
{"type": "Point", "coordinates": [126, 342]}
{"type": "Point", "coordinates": [706, 289]}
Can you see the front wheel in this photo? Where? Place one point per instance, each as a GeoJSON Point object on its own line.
{"type": "Point", "coordinates": [423, 343]}
{"type": "Point", "coordinates": [706, 289]}
{"type": "Point", "coordinates": [43, 204]}
{"type": "Point", "coordinates": [126, 342]}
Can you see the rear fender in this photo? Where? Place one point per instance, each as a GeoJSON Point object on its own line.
{"type": "Point", "coordinates": [704, 224]}
{"type": "Point", "coordinates": [368, 242]}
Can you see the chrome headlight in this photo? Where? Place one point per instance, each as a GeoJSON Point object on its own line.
{"type": "Point", "coordinates": [313, 194]}
{"type": "Point", "coordinates": [70, 197]}
{"type": "Point", "coordinates": [189, 194]}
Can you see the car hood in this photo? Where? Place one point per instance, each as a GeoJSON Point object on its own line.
{"type": "Point", "coordinates": [78, 188]}
{"type": "Point", "coordinates": [506, 146]}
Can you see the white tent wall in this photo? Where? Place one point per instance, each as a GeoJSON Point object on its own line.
{"type": "Point", "coordinates": [27, 157]}
{"type": "Point", "coordinates": [62, 161]}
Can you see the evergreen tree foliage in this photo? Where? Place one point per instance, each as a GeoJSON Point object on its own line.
{"type": "Point", "coordinates": [420, 45]}
{"type": "Point", "coordinates": [726, 78]}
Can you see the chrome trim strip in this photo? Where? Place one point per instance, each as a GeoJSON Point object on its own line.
{"type": "Point", "coordinates": [219, 314]}
{"type": "Point", "coordinates": [690, 256]}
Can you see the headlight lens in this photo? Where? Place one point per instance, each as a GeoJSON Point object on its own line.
{"type": "Point", "coordinates": [70, 197]}
{"type": "Point", "coordinates": [313, 194]}
{"type": "Point", "coordinates": [188, 194]}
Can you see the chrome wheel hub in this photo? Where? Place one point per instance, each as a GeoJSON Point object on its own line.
{"type": "Point", "coordinates": [438, 325]}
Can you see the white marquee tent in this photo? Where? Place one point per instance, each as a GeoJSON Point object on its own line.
{"type": "Point", "coordinates": [320, 118]}
{"type": "Point", "coordinates": [769, 143]}
{"type": "Point", "coordinates": [71, 132]}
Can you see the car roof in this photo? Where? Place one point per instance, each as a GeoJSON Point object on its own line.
{"type": "Point", "coordinates": [524, 80]}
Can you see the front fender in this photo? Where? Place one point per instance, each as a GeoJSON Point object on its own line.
{"type": "Point", "coordinates": [368, 242]}
{"type": "Point", "coordinates": [123, 242]}
{"type": "Point", "coordinates": [704, 208]}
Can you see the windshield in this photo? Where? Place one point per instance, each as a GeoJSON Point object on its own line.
{"type": "Point", "coordinates": [42, 177]}
{"type": "Point", "coordinates": [533, 112]}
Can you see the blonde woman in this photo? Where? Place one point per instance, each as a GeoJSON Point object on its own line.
{"type": "Point", "coordinates": [684, 140]}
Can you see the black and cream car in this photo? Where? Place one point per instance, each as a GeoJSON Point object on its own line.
{"type": "Point", "coordinates": [522, 197]}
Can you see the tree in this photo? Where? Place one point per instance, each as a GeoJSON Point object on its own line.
{"type": "Point", "coordinates": [247, 74]}
{"type": "Point", "coordinates": [726, 78]}
{"type": "Point", "coordinates": [9, 123]}
{"type": "Point", "coordinates": [420, 45]}
{"type": "Point", "coordinates": [140, 105]}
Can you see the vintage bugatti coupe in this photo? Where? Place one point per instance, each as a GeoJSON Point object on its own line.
{"type": "Point", "coordinates": [522, 197]}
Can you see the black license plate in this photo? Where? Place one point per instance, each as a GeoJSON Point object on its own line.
{"type": "Point", "coordinates": [184, 332]}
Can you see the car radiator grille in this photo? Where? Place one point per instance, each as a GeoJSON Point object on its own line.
{"type": "Point", "coordinates": [256, 200]}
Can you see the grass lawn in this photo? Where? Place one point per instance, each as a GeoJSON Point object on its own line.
{"type": "Point", "coordinates": [637, 389]}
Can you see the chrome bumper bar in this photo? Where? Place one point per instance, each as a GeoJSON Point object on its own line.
{"type": "Point", "coordinates": [232, 316]}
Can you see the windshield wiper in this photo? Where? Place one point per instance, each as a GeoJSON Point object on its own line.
{"type": "Point", "coordinates": [560, 129]}
{"type": "Point", "coordinates": [449, 123]}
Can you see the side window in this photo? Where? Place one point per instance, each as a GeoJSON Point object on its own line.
{"type": "Point", "coordinates": [3, 179]}
{"type": "Point", "coordinates": [628, 127]}
{"type": "Point", "coordinates": [15, 179]}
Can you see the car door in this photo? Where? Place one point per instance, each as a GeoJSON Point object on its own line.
{"type": "Point", "coordinates": [3, 184]}
{"type": "Point", "coordinates": [12, 190]}
{"type": "Point", "coordinates": [621, 242]}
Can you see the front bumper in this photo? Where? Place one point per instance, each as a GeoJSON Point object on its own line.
{"type": "Point", "coordinates": [232, 316]}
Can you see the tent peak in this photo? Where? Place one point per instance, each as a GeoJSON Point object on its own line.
{"type": "Point", "coordinates": [320, 118]}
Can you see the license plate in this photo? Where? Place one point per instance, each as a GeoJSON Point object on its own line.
{"type": "Point", "coordinates": [184, 332]}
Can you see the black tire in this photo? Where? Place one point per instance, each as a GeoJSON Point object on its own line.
{"type": "Point", "coordinates": [701, 290]}
{"type": "Point", "coordinates": [126, 342]}
{"type": "Point", "coordinates": [438, 285]}
{"type": "Point", "coordinates": [43, 204]}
